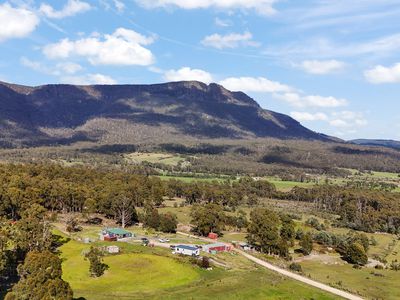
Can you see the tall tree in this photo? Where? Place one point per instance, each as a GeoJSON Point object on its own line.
{"type": "Point", "coordinates": [306, 243]}
{"type": "Point", "coordinates": [263, 230]}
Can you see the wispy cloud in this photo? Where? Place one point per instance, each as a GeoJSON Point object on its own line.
{"type": "Point", "coordinates": [321, 67]}
{"type": "Point", "coordinates": [263, 7]}
{"type": "Point", "coordinates": [231, 40]}
{"type": "Point", "coordinates": [323, 48]}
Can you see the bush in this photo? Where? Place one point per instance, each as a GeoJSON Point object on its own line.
{"type": "Point", "coordinates": [355, 254]}
{"type": "Point", "coordinates": [306, 244]}
{"type": "Point", "coordinates": [97, 267]}
{"type": "Point", "coordinates": [204, 262]}
{"type": "Point", "coordinates": [73, 225]}
{"type": "Point", "coordinates": [168, 222]}
{"type": "Point", "coordinates": [296, 267]}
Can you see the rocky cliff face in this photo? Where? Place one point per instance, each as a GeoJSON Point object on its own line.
{"type": "Point", "coordinates": [52, 114]}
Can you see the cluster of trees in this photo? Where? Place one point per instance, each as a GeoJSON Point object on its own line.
{"type": "Point", "coordinates": [232, 194]}
{"type": "Point", "coordinates": [40, 279]}
{"type": "Point", "coordinates": [211, 217]}
{"type": "Point", "coordinates": [166, 222]}
{"type": "Point", "coordinates": [115, 194]}
{"type": "Point", "coordinates": [359, 209]}
{"type": "Point", "coordinates": [27, 257]}
{"type": "Point", "coordinates": [353, 246]}
{"type": "Point", "coordinates": [271, 233]}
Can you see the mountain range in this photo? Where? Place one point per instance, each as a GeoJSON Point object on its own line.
{"type": "Point", "coordinates": [64, 114]}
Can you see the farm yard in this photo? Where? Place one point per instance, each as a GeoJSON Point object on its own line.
{"type": "Point", "coordinates": [140, 272]}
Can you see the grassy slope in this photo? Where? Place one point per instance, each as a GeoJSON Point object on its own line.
{"type": "Point", "coordinates": [363, 281]}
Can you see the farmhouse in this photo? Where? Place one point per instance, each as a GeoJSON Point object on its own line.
{"type": "Point", "coordinates": [216, 247]}
{"type": "Point", "coordinates": [187, 250]}
{"type": "Point", "coordinates": [112, 234]}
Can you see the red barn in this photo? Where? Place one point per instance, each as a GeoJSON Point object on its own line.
{"type": "Point", "coordinates": [212, 236]}
{"type": "Point", "coordinates": [217, 247]}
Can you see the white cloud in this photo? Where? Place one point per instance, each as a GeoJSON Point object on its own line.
{"type": "Point", "coordinates": [123, 47]}
{"type": "Point", "coordinates": [16, 22]}
{"type": "Point", "coordinates": [188, 74]}
{"type": "Point", "coordinates": [298, 100]}
{"type": "Point", "coordinates": [251, 84]}
{"type": "Point", "coordinates": [119, 5]}
{"type": "Point", "coordinates": [88, 79]}
{"type": "Point", "coordinates": [264, 7]}
{"type": "Point", "coordinates": [222, 23]}
{"type": "Point", "coordinates": [347, 119]}
{"type": "Point", "coordinates": [321, 67]}
{"type": "Point", "coordinates": [306, 116]}
{"type": "Point", "coordinates": [344, 120]}
{"type": "Point", "coordinates": [69, 67]}
{"type": "Point", "coordinates": [232, 40]}
{"type": "Point", "coordinates": [281, 91]}
{"type": "Point", "coordinates": [57, 70]}
{"type": "Point", "coordinates": [72, 8]}
{"type": "Point", "coordinates": [381, 74]}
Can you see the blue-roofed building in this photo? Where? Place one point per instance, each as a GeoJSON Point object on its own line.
{"type": "Point", "coordinates": [187, 250]}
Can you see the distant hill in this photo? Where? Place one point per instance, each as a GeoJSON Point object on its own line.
{"type": "Point", "coordinates": [382, 143]}
{"type": "Point", "coordinates": [63, 114]}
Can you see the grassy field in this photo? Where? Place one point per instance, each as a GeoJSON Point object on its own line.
{"type": "Point", "coordinates": [150, 273]}
{"type": "Point", "coordinates": [162, 158]}
{"type": "Point", "coordinates": [368, 282]}
{"type": "Point", "coordinates": [287, 185]}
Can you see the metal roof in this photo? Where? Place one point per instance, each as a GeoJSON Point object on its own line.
{"type": "Point", "coordinates": [187, 247]}
{"type": "Point", "coordinates": [117, 231]}
{"type": "Point", "coordinates": [214, 245]}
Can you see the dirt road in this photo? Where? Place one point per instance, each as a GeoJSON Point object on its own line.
{"type": "Point", "coordinates": [300, 278]}
{"type": "Point", "coordinates": [289, 274]}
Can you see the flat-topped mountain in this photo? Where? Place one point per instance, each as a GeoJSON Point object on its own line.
{"type": "Point", "coordinates": [52, 114]}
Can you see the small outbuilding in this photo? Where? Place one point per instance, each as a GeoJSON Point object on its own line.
{"type": "Point", "coordinates": [213, 236]}
{"type": "Point", "coordinates": [112, 249]}
{"type": "Point", "coordinates": [245, 246]}
{"type": "Point", "coordinates": [216, 247]}
{"type": "Point", "coordinates": [187, 250]}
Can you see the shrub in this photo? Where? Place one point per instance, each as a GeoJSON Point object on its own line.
{"type": "Point", "coordinates": [97, 267]}
{"type": "Point", "coordinates": [204, 262]}
{"type": "Point", "coordinates": [296, 267]}
{"type": "Point", "coordinates": [355, 254]}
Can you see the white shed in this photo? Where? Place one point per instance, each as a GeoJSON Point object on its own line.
{"type": "Point", "coordinates": [112, 249]}
{"type": "Point", "coordinates": [187, 250]}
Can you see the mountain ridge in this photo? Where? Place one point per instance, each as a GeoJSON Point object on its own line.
{"type": "Point", "coordinates": [393, 144]}
{"type": "Point", "coordinates": [63, 113]}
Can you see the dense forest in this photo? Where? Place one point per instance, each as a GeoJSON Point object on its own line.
{"type": "Point", "coordinates": [116, 194]}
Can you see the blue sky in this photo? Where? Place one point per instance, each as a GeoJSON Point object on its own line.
{"type": "Point", "coordinates": [334, 65]}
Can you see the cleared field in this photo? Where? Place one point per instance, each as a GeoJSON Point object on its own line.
{"type": "Point", "coordinates": [162, 158]}
{"type": "Point", "coordinates": [128, 274]}
{"type": "Point", "coordinates": [287, 185]}
{"type": "Point", "coordinates": [149, 273]}
{"type": "Point", "coordinates": [368, 282]}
